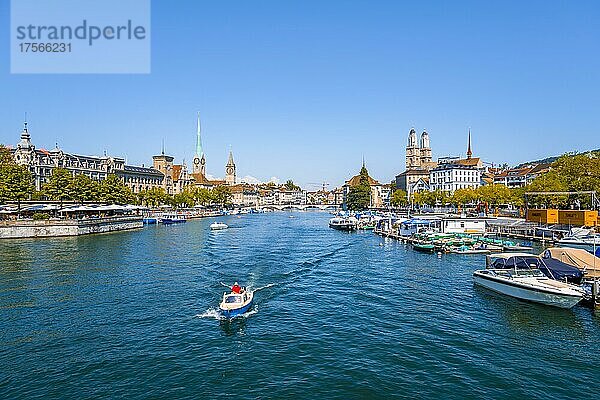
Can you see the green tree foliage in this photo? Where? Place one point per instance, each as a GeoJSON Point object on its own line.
{"type": "Point", "coordinates": [221, 195]}
{"type": "Point", "coordinates": [290, 185]}
{"type": "Point", "coordinates": [59, 186]}
{"type": "Point", "coordinates": [16, 182]}
{"type": "Point", "coordinates": [152, 197]}
{"type": "Point", "coordinates": [113, 190]}
{"type": "Point", "coordinates": [359, 196]}
{"type": "Point", "coordinates": [83, 188]}
{"type": "Point", "coordinates": [399, 198]}
{"type": "Point", "coordinates": [183, 200]}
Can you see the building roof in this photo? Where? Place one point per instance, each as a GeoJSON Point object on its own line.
{"type": "Point", "coordinates": [355, 180]}
{"type": "Point", "coordinates": [442, 167]}
{"type": "Point", "coordinates": [202, 180]}
{"type": "Point", "coordinates": [469, 161]}
{"type": "Point", "coordinates": [142, 170]}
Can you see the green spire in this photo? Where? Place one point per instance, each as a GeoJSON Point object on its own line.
{"type": "Point", "coordinates": [199, 151]}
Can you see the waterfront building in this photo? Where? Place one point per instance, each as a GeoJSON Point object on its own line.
{"type": "Point", "coordinates": [244, 195]}
{"type": "Point", "coordinates": [141, 178]}
{"type": "Point", "coordinates": [41, 162]}
{"type": "Point", "coordinates": [450, 177]}
{"type": "Point", "coordinates": [520, 177]}
{"type": "Point", "coordinates": [380, 193]}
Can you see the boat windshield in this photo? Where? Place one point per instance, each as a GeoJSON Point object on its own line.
{"type": "Point", "coordinates": [528, 273]}
{"type": "Point", "coordinates": [233, 299]}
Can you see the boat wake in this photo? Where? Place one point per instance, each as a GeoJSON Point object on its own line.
{"type": "Point", "coordinates": [262, 287]}
{"type": "Point", "coordinates": [214, 313]}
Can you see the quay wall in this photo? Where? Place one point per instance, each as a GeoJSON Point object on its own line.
{"type": "Point", "coordinates": [55, 228]}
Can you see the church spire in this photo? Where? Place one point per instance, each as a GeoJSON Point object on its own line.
{"type": "Point", "coordinates": [469, 152]}
{"type": "Point", "coordinates": [199, 151]}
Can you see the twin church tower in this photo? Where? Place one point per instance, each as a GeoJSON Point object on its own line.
{"type": "Point", "coordinates": [418, 156]}
{"type": "Point", "coordinates": [199, 166]}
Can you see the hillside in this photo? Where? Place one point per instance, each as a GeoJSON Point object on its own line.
{"type": "Point", "coordinates": [554, 158]}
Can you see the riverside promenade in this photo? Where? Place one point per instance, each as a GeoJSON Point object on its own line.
{"type": "Point", "coordinates": [19, 229]}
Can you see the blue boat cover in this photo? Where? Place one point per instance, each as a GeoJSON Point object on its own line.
{"type": "Point", "coordinates": [551, 267]}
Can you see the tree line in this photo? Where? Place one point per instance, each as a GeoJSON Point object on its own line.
{"type": "Point", "coordinates": [17, 185]}
{"type": "Point", "coordinates": [569, 173]}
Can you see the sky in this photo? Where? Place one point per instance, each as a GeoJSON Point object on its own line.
{"type": "Point", "coordinates": [303, 90]}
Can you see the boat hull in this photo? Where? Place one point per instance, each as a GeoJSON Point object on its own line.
{"type": "Point", "coordinates": [232, 313]}
{"type": "Point", "coordinates": [524, 293]}
{"type": "Point", "coordinates": [343, 227]}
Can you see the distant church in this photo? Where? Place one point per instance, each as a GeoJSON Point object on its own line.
{"type": "Point", "coordinates": [199, 165]}
{"type": "Point", "coordinates": [418, 161]}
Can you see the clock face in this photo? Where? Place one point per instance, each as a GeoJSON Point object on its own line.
{"type": "Point", "coordinates": [196, 161]}
{"type": "Point", "coordinates": [203, 161]}
{"type": "Point", "coordinates": [229, 170]}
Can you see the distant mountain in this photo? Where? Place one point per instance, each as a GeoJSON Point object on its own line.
{"type": "Point", "coordinates": [554, 158]}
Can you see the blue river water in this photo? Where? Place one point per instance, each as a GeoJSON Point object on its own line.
{"type": "Point", "coordinates": [339, 316]}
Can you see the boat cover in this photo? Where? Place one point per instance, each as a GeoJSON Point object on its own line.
{"type": "Point", "coordinates": [551, 267]}
{"type": "Point", "coordinates": [579, 258]}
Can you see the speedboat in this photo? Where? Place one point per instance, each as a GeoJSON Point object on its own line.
{"type": "Point", "coordinates": [530, 285]}
{"type": "Point", "coordinates": [552, 268]}
{"type": "Point", "coordinates": [343, 224]}
{"type": "Point", "coordinates": [235, 304]}
{"type": "Point", "coordinates": [218, 226]}
{"type": "Point", "coordinates": [589, 242]}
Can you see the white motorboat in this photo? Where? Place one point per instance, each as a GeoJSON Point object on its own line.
{"type": "Point", "coordinates": [590, 242]}
{"type": "Point", "coordinates": [530, 285]}
{"type": "Point", "coordinates": [215, 226]}
{"type": "Point", "coordinates": [343, 224]}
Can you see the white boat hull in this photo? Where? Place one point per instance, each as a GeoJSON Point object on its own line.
{"type": "Point", "coordinates": [527, 293]}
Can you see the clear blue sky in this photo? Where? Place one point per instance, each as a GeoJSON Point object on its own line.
{"type": "Point", "coordinates": [305, 89]}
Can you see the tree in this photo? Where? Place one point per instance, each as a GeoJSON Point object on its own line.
{"type": "Point", "coordinates": [359, 196]}
{"type": "Point", "coordinates": [399, 198]}
{"type": "Point", "coordinates": [290, 185]}
{"type": "Point", "coordinates": [83, 188]}
{"type": "Point", "coordinates": [59, 185]}
{"type": "Point", "coordinates": [113, 190]}
{"type": "Point", "coordinates": [16, 182]}
{"type": "Point", "coordinates": [202, 196]}
{"type": "Point", "coordinates": [221, 195]}
{"type": "Point", "coordinates": [152, 197]}
{"type": "Point", "coordinates": [184, 199]}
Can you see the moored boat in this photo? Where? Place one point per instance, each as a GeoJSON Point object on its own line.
{"type": "Point", "coordinates": [343, 224]}
{"type": "Point", "coordinates": [424, 247]}
{"type": "Point", "coordinates": [530, 285]}
{"type": "Point", "coordinates": [172, 219]}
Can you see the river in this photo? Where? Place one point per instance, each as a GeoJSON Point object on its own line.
{"type": "Point", "coordinates": [339, 316]}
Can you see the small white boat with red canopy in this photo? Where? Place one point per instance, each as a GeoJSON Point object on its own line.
{"type": "Point", "coordinates": [236, 302]}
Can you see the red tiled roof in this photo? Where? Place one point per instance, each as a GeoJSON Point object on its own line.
{"type": "Point", "coordinates": [355, 180]}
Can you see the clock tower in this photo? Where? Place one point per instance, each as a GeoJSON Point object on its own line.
{"type": "Point", "coordinates": [230, 170]}
{"type": "Point", "coordinates": [199, 162]}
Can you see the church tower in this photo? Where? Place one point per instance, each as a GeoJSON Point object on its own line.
{"type": "Point", "coordinates": [199, 166]}
{"type": "Point", "coordinates": [469, 152]}
{"type": "Point", "coordinates": [230, 170]}
{"type": "Point", "coordinates": [413, 156]}
{"type": "Point", "coordinates": [425, 149]}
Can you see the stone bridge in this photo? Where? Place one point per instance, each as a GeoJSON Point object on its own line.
{"type": "Point", "coordinates": [302, 207]}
